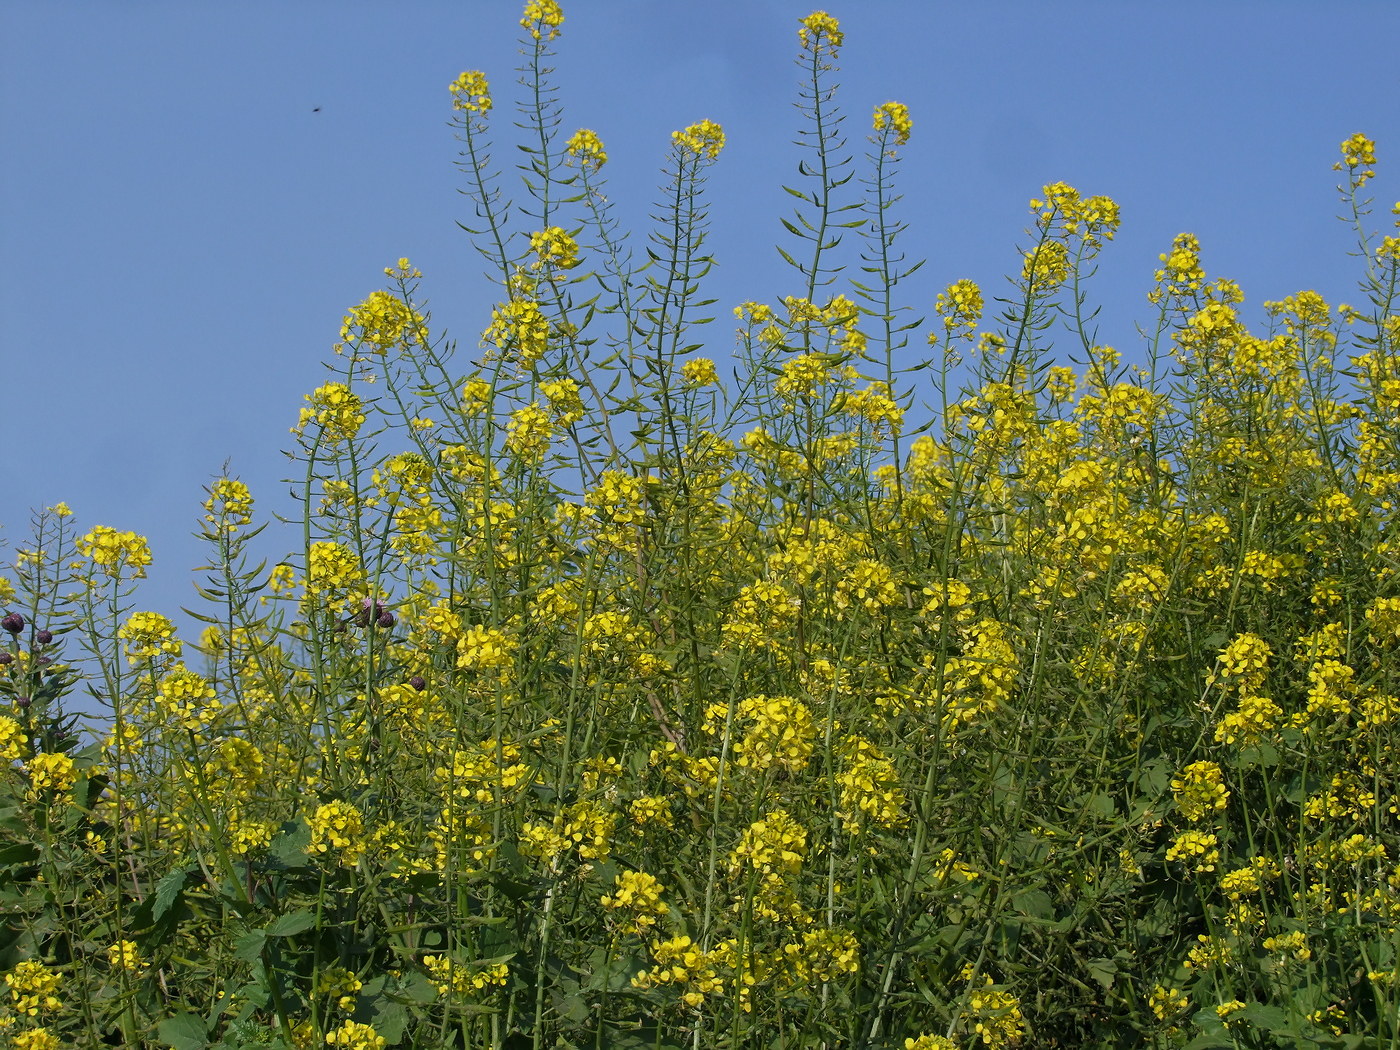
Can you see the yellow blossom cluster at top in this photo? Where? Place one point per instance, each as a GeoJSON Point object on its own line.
{"type": "Point", "coordinates": [113, 551]}
{"type": "Point", "coordinates": [895, 117]}
{"type": "Point", "coordinates": [704, 139]}
{"type": "Point", "coordinates": [586, 148]}
{"type": "Point", "coordinates": [542, 19]}
{"type": "Point", "coordinates": [1358, 154]}
{"type": "Point", "coordinates": [1087, 217]}
{"type": "Point", "coordinates": [384, 321]}
{"type": "Point", "coordinates": [471, 92]}
{"type": "Point", "coordinates": [820, 31]}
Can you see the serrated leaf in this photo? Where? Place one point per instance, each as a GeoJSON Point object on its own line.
{"type": "Point", "coordinates": [292, 923]}
{"type": "Point", "coordinates": [248, 948]}
{"type": "Point", "coordinates": [185, 1031]}
{"type": "Point", "coordinates": [168, 891]}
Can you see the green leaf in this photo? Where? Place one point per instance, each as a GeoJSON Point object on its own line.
{"type": "Point", "coordinates": [390, 1020]}
{"type": "Point", "coordinates": [292, 923]}
{"type": "Point", "coordinates": [168, 891]}
{"type": "Point", "coordinates": [1269, 1018]}
{"type": "Point", "coordinates": [1105, 971]}
{"type": "Point", "coordinates": [185, 1031]}
{"type": "Point", "coordinates": [291, 844]}
{"type": "Point", "coordinates": [249, 947]}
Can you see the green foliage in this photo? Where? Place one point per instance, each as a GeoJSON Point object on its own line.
{"type": "Point", "coordinates": [605, 703]}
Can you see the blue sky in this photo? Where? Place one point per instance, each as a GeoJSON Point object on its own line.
{"type": "Point", "coordinates": [180, 232]}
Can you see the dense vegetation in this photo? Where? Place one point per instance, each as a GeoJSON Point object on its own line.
{"type": "Point", "coordinates": [611, 698]}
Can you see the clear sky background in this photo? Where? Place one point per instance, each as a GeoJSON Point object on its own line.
{"type": "Point", "coordinates": [180, 232]}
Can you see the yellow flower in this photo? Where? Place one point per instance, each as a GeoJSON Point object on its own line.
{"type": "Point", "coordinates": [125, 956]}
{"type": "Point", "coordinates": [929, 1042]}
{"type": "Point", "coordinates": [336, 409]}
{"type": "Point", "coordinates": [340, 826]}
{"type": "Point", "coordinates": [542, 19]}
{"type": "Point", "coordinates": [704, 139]}
{"type": "Point", "coordinates": [820, 28]}
{"type": "Point", "coordinates": [470, 91]}
{"type": "Point", "coordinates": [554, 247]}
{"type": "Point", "coordinates": [229, 505]}
{"type": "Point", "coordinates": [1358, 152]}
{"type": "Point", "coordinates": [355, 1036]}
{"type": "Point", "coordinates": [639, 894]}
{"type": "Point", "coordinates": [13, 742]}
{"type": "Point", "coordinates": [895, 116]}
{"type": "Point", "coordinates": [383, 321]}
{"type": "Point", "coordinates": [1200, 790]}
{"type": "Point", "coordinates": [32, 987]}
{"type": "Point", "coordinates": [587, 148]}
{"type": "Point", "coordinates": [112, 551]}
{"type": "Point", "coordinates": [49, 771]}
{"type": "Point", "coordinates": [699, 372]}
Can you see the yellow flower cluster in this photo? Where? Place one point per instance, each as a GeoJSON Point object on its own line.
{"type": "Point", "coordinates": [895, 117]}
{"type": "Point", "coordinates": [995, 1016]}
{"type": "Point", "coordinates": [1197, 849]}
{"type": "Point", "coordinates": [488, 773]}
{"type": "Point", "coordinates": [700, 372]}
{"type": "Point", "coordinates": [819, 32]}
{"type": "Point", "coordinates": [775, 844]}
{"type": "Point", "coordinates": [186, 699]}
{"type": "Point", "coordinates": [1200, 791]}
{"type": "Point", "coordinates": [586, 148]}
{"type": "Point", "coordinates": [336, 409]}
{"type": "Point", "coordinates": [332, 567]}
{"type": "Point", "coordinates": [113, 551]}
{"type": "Point", "coordinates": [639, 895]}
{"type": "Point", "coordinates": [681, 962]}
{"type": "Point", "coordinates": [449, 977]}
{"type": "Point", "coordinates": [929, 1042]}
{"type": "Point", "coordinates": [782, 735]}
{"type": "Point", "coordinates": [125, 956]}
{"type": "Point", "coordinates": [1358, 154]}
{"type": "Point", "coordinates": [149, 635]}
{"type": "Point", "coordinates": [13, 743]}
{"type": "Point", "coordinates": [340, 984]}
{"type": "Point", "coordinates": [482, 648]}
{"type": "Point", "coordinates": [229, 505]}
{"type": "Point", "coordinates": [383, 322]}
{"type": "Point", "coordinates": [1086, 217]}
{"type": "Point", "coordinates": [33, 987]}
{"type": "Point", "coordinates": [339, 826]}
{"type": "Point", "coordinates": [518, 325]}
{"type": "Point", "coordinates": [471, 92]}
{"type": "Point", "coordinates": [871, 792]}
{"type": "Point", "coordinates": [1045, 267]}
{"type": "Point", "coordinates": [704, 139]}
{"type": "Point", "coordinates": [553, 247]}
{"type": "Point", "coordinates": [542, 19]}
{"type": "Point", "coordinates": [352, 1035]}
{"type": "Point", "coordinates": [564, 400]}
{"type": "Point", "coordinates": [50, 771]}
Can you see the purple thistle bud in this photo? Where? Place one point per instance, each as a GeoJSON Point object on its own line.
{"type": "Point", "coordinates": [6, 658]}
{"type": "Point", "coordinates": [23, 701]}
{"type": "Point", "coordinates": [44, 637]}
{"type": "Point", "coordinates": [418, 682]}
{"type": "Point", "coordinates": [12, 622]}
{"type": "Point", "coordinates": [386, 620]}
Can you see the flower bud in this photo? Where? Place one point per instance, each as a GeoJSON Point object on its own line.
{"type": "Point", "coordinates": [12, 622]}
{"type": "Point", "coordinates": [386, 620]}
{"type": "Point", "coordinates": [418, 682]}
{"type": "Point", "coordinates": [6, 659]}
{"type": "Point", "coordinates": [23, 701]}
{"type": "Point", "coordinates": [44, 637]}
